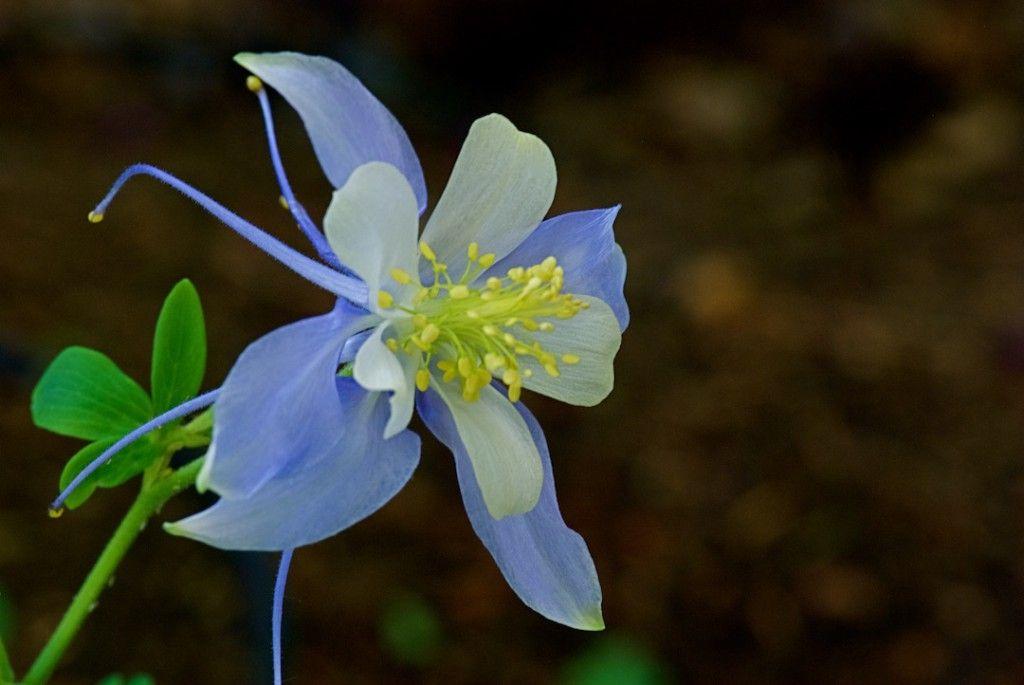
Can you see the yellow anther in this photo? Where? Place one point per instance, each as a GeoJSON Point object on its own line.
{"type": "Point", "coordinates": [473, 251]}
{"type": "Point", "coordinates": [517, 273]}
{"type": "Point", "coordinates": [283, 201]}
{"type": "Point", "coordinates": [510, 377]}
{"type": "Point", "coordinates": [448, 367]}
{"type": "Point", "coordinates": [415, 340]}
{"type": "Point", "coordinates": [254, 84]}
{"type": "Point", "coordinates": [421, 296]}
{"type": "Point", "coordinates": [472, 314]}
{"type": "Point", "coordinates": [487, 260]}
{"type": "Point", "coordinates": [515, 391]}
{"type": "Point", "coordinates": [55, 512]}
{"type": "Point", "coordinates": [459, 292]}
{"type": "Point", "coordinates": [392, 344]}
{"type": "Point", "coordinates": [571, 358]}
{"type": "Point", "coordinates": [95, 217]}
{"type": "Point", "coordinates": [489, 295]}
{"type": "Point", "coordinates": [465, 367]}
{"type": "Point", "coordinates": [531, 285]}
{"type": "Point", "coordinates": [546, 326]}
{"type": "Point", "coordinates": [493, 361]}
{"type": "Point", "coordinates": [384, 299]}
{"type": "Point", "coordinates": [511, 321]}
{"type": "Point", "coordinates": [491, 330]}
{"type": "Point", "coordinates": [509, 339]}
{"type": "Point", "coordinates": [401, 276]}
{"type": "Point", "coordinates": [430, 333]}
{"type": "Point", "coordinates": [422, 380]}
{"type": "Point", "coordinates": [420, 321]}
{"type": "Point", "coordinates": [552, 370]}
{"type": "Point", "coordinates": [549, 264]}
{"type": "Point", "coordinates": [494, 283]}
{"type": "Point", "coordinates": [427, 253]}
{"type": "Point", "coordinates": [530, 324]}
{"type": "Point", "coordinates": [471, 389]}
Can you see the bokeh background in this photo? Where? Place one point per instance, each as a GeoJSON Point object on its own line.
{"type": "Point", "coordinates": [811, 467]}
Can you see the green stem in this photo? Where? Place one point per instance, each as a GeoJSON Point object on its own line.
{"type": "Point", "coordinates": [6, 670]}
{"type": "Point", "coordinates": [146, 504]}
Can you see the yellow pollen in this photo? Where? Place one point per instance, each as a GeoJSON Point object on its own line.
{"type": "Point", "coordinates": [55, 512]}
{"type": "Point", "coordinates": [470, 330]}
{"type": "Point", "coordinates": [254, 84]}
{"type": "Point", "coordinates": [95, 217]}
{"type": "Point", "coordinates": [401, 276]}
{"type": "Point", "coordinates": [430, 333]}
{"type": "Point", "coordinates": [427, 252]}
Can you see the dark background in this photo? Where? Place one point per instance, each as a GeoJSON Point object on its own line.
{"type": "Point", "coordinates": [811, 467]}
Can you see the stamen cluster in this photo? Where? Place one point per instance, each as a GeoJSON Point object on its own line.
{"type": "Point", "coordinates": [475, 332]}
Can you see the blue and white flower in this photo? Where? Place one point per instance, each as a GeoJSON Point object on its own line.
{"type": "Point", "coordinates": [311, 426]}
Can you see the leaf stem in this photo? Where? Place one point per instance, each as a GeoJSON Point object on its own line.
{"type": "Point", "coordinates": [6, 670]}
{"type": "Point", "coordinates": [149, 501]}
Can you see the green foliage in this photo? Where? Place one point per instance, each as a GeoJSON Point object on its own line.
{"type": "Point", "coordinates": [118, 679]}
{"type": "Point", "coordinates": [83, 394]}
{"type": "Point", "coordinates": [179, 348]}
{"type": "Point", "coordinates": [129, 462]}
{"type": "Point", "coordinates": [614, 662]}
{"type": "Point", "coordinates": [411, 632]}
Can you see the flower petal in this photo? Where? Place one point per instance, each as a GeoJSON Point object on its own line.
{"type": "Point", "coordinates": [346, 123]}
{"type": "Point", "coordinates": [279, 405]}
{"type": "Point", "coordinates": [584, 244]}
{"type": "Point", "coordinates": [378, 368]}
{"type": "Point", "coordinates": [500, 189]}
{"type": "Point", "coordinates": [372, 224]}
{"type": "Point", "coordinates": [321, 495]}
{"type": "Point", "coordinates": [592, 335]}
{"type": "Point", "coordinates": [544, 561]}
{"type": "Point", "coordinates": [504, 456]}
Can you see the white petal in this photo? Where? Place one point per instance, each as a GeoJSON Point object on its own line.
{"type": "Point", "coordinates": [593, 336]}
{"type": "Point", "coordinates": [500, 189]}
{"type": "Point", "coordinates": [371, 224]}
{"type": "Point", "coordinates": [504, 456]}
{"type": "Point", "coordinates": [378, 368]}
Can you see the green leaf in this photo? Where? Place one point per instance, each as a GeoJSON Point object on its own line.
{"type": "Point", "coordinates": [614, 661]}
{"type": "Point", "coordinates": [411, 632]}
{"type": "Point", "coordinates": [137, 679]}
{"type": "Point", "coordinates": [130, 461]}
{"type": "Point", "coordinates": [179, 348]}
{"type": "Point", "coordinates": [84, 395]}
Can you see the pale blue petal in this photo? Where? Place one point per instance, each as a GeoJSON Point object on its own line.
{"type": "Point", "coordinates": [584, 244]}
{"type": "Point", "coordinates": [544, 561]}
{"type": "Point", "coordinates": [279, 405]}
{"type": "Point", "coordinates": [346, 123]}
{"type": "Point", "coordinates": [323, 493]}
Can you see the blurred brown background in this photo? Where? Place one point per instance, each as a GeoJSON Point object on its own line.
{"type": "Point", "coordinates": [811, 467]}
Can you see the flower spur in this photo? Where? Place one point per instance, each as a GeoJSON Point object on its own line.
{"type": "Point", "coordinates": [302, 450]}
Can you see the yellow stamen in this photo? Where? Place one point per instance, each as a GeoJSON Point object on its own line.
{"type": "Point", "coordinates": [254, 84]}
{"type": "Point", "coordinates": [401, 276]}
{"type": "Point", "coordinates": [427, 253]}
{"type": "Point", "coordinates": [385, 300]}
{"type": "Point", "coordinates": [422, 380]}
{"type": "Point", "coordinates": [95, 217]}
{"type": "Point", "coordinates": [459, 292]}
{"type": "Point", "coordinates": [473, 251]}
{"type": "Point", "coordinates": [430, 333]}
{"type": "Point", "coordinates": [571, 358]}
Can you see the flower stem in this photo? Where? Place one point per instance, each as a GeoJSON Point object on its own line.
{"type": "Point", "coordinates": [149, 501]}
{"type": "Point", "coordinates": [6, 670]}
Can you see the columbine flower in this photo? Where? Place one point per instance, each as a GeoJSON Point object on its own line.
{"type": "Point", "coordinates": [310, 430]}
